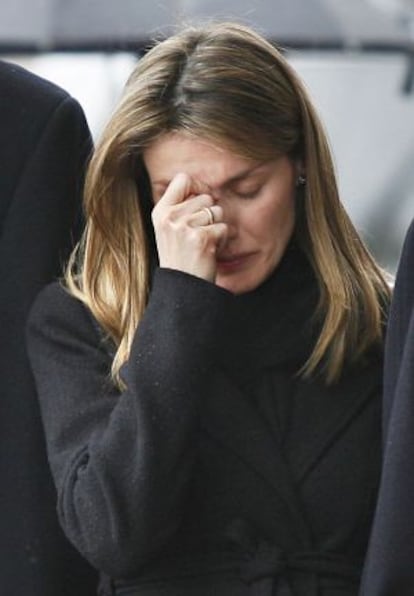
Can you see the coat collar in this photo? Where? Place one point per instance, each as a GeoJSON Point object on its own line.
{"type": "Point", "coordinates": [274, 325]}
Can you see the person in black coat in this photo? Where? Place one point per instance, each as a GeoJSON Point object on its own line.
{"type": "Point", "coordinates": [389, 567]}
{"type": "Point", "coordinates": [45, 142]}
{"type": "Point", "coordinates": [209, 372]}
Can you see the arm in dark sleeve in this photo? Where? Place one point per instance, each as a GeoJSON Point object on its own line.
{"type": "Point", "coordinates": [402, 309]}
{"type": "Point", "coordinates": [122, 461]}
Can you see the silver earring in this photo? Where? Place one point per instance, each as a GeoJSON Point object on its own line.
{"type": "Point", "coordinates": [300, 180]}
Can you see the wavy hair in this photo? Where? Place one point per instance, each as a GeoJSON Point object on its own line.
{"type": "Point", "coordinates": [227, 84]}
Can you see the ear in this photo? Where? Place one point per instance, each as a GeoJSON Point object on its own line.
{"type": "Point", "coordinates": [300, 173]}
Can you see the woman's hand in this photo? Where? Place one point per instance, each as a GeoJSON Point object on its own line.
{"type": "Point", "coordinates": [188, 228]}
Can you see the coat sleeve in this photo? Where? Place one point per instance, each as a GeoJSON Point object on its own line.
{"type": "Point", "coordinates": [122, 461]}
{"type": "Point", "coordinates": [389, 567]}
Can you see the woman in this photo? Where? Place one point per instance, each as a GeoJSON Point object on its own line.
{"type": "Point", "coordinates": [210, 376]}
{"type": "Point", "coordinates": [388, 568]}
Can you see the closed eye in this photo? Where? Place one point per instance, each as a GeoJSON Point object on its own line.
{"type": "Point", "coordinates": [248, 194]}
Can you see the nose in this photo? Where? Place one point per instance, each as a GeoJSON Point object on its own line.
{"type": "Point", "coordinates": [231, 215]}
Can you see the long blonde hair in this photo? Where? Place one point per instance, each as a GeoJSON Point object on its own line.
{"type": "Point", "coordinates": [224, 83]}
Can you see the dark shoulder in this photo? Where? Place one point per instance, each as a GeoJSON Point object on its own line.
{"type": "Point", "coordinates": [404, 279]}
{"type": "Point", "coordinates": [62, 319]}
{"type": "Point", "coordinates": [28, 101]}
{"type": "Point", "coordinates": [29, 105]}
{"type": "Point", "coordinates": [409, 243]}
{"type": "Point", "coordinates": [61, 331]}
{"type": "Point", "coordinates": [54, 300]}
{"type": "Point", "coordinates": [27, 88]}
{"type": "Point", "coordinates": [403, 298]}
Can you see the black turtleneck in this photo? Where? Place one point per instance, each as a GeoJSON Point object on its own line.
{"type": "Point", "coordinates": [275, 324]}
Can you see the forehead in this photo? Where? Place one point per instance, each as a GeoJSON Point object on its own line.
{"type": "Point", "coordinates": [202, 159]}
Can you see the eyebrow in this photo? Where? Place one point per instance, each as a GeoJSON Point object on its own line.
{"type": "Point", "coordinates": [233, 180]}
{"type": "Point", "coordinates": [244, 174]}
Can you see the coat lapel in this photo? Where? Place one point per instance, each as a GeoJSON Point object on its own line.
{"type": "Point", "coordinates": [339, 405]}
{"type": "Point", "coordinates": [230, 417]}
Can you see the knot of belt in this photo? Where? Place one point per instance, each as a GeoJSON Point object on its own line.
{"type": "Point", "coordinates": [269, 561]}
{"type": "Point", "coordinates": [265, 560]}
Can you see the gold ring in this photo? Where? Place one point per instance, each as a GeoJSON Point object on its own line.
{"type": "Point", "coordinates": [210, 215]}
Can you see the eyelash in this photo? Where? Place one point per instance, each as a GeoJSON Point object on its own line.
{"type": "Point", "coordinates": [247, 195]}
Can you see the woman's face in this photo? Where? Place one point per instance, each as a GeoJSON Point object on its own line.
{"type": "Point", "coordinates": [257, 200]}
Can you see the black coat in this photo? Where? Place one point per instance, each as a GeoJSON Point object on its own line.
{"type": "Point", "coordinates": [217, 471]}
{"type": "Point", "coordinates": [390, 564]}
{"type": "Point", "coordinates": [44, 141]}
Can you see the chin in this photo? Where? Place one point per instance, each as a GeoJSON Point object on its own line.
{"type": "Point", "coordinates": [239, 286]}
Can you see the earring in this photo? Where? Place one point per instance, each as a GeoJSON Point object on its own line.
{"type": "Point", "coordinates": [300, 180]}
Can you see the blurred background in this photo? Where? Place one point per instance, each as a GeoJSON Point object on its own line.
{"type": "Point", "coordinates": [355, 56]}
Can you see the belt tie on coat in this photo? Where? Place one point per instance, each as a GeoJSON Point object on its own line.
{"type": "Point", "coordinates": [267, 563]}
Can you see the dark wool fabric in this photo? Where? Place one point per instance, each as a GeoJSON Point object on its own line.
{"type": "Point", "coordinates": [389, 569]}
{"type": "Point", "coordinates": [217, 471]}
{"type": "Point", "coordinates": [44, 144]}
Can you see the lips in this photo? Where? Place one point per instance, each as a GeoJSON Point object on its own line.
{"type": "Point", "coordinates": [230, 262]}
{"type": "Point", "coordinates": [230, 258]}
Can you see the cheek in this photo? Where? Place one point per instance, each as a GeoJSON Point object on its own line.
{"type": "Point", "coordinates": [276, 218]}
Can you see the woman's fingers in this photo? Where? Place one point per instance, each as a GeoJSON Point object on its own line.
{"type": "Point", "coordinates": [183, 197]}
{"type": "Point", "coordinates": [181, 187]}
{"type": "Point", "coordinates": [189, 228]}
{"type": "Point", "coordinates": [207, 215]}
{"type": "Point", "coordinates": [177, 191]}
